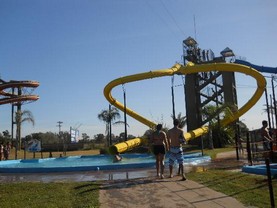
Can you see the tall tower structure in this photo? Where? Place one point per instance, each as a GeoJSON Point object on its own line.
{"type": "Point", "coordinates": [191, 86]}
{"type": "Point", "coordinates": [203, 89]}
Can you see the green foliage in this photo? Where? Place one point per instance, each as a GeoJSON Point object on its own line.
{"type": "Point", "coordinates": [21, 117]}
{"type": "Point", "coordinates": [109, 117]}
{"type": "Point", "coordinates": [50, 195]}
{"type": "Point", "coordinates": [45, 138]}
{"type": "Point", "coordinates": [221, 135]}
{"type": "Point", "coordinates": [5, 137]}
{"type": "Point", "coordinates": [182, 120]}
{"type": "Point", "coordinates": [6, 134]}
{"type": "Point", "coordinates": [24, 116]}
{"type": "Point", "coordinates": [85, 138]}
{"type": "Point", "coordinates": [104, 151]}
{"type": "Point", "coordinates": [99, 138]}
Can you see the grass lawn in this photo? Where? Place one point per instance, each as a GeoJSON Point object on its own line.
{"type": "Point", "coordinates": [251, 190]}
{"type": "Point", "coordinates": [49, 195]}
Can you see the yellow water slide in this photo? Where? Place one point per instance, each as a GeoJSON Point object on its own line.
{"type": "Point", "coordinates": [182, 70]}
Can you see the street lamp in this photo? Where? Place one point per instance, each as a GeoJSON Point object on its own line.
{"type": "Point", "coordinates": [190, 50]}
{"type": "Point", "coordinates": [190, 42]}
{"type": "Point", "coordinates": [227, 52]}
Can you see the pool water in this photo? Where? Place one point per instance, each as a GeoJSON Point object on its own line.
{"type": "Point", "coordinates": [89, 163]}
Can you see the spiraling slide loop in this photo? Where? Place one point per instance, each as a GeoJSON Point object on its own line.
{"type": "Point", "coordinates": [8, 97]}
{"type": "Point", "coordinates": [183, 70]}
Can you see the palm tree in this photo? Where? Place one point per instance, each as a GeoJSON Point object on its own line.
{"type": "Point", "coordinates": [182, 120]}
{"type": "Point", "coordinates": [222, 135]}
{"type": "Point", "coordinates": [20, 117]}
{"type": "Point", "coordinates": [108, 116]}
{"type": "Point", "coordinates": [270, 110]}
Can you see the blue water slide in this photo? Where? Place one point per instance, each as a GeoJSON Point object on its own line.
{"type": "Point", "coordinates": [265, 69]}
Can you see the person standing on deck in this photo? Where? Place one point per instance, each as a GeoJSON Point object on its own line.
{"type": "Point", "coordinates": [267, 139]}
{"type": "Point", "coordinates": [160, 146]}
{"type": "Point", "coordinates": [176, 139]}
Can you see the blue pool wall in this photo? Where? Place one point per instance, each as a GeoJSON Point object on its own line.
{"type": "Point", "coordinates": [260, 169]}
{"type": "Point", "coordinates": [189, 158]}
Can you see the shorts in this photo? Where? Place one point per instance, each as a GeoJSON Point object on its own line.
{"type": "Point", "coordinates": [158, 149]}
{"type": "Point", "coordinates": [176, 153]}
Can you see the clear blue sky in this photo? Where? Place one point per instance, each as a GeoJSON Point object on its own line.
{"type": "Point", "coordinates": [74, 48]}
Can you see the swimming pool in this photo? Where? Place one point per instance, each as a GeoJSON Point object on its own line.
{"type": "Point", "coordinates": [89, 163]}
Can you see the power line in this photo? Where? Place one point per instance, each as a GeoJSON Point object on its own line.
{"type": "Point", "coordinates": [173, 19]}
{"type": "Point", "coordinates": [245, 86]}
{"type": "Point", "coordinates": [162, 19]}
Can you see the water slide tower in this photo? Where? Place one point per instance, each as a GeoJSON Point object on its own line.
{"type": "Point", "coordinates": [203, 89]}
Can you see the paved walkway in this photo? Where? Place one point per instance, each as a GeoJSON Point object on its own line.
{"type": "Point", "coordinates": [168, 192]}
{"type": "Point", "coordinates": [162, 193]}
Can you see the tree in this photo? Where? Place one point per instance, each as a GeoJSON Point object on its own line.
{"type": "Point", "coordinates": [5, 136]}
{"type": "Point", "coordinates": [109, 116]}
{"type": "Point", "coordinates": [270, 110]}
{"type": "Point", "coordinates": [99, 138]}
{"type": "Point", "coordinates": [45, 138]}
{"type": "Point", "coordinates": [85, 138]}
{"type": "Point", "coordinates": [221, 135]}
{"type": "Point", "coordinates": [21, 117]}
{"type": "Point", "coordinates": [121, 137]}
{"type": "Point", "coordinates": [182, 120]}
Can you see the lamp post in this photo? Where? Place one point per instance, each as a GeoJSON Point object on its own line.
{"type": "Point", "coordinates": [190, 42]}
{"type": "Point", "coordinates": [227, 52]}
{"type": "Point", "coordinates": [190, 46]}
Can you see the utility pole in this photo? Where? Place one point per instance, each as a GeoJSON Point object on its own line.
{"type": "Point", "coordinates": [110, 126]}
{"type": "Point", "coordinates": [172, 97]}
{"type": "Point", "coordinates": [125, 116]}
{"type": "Point", "coordinates": [59, 134]}
{"type": "Point", "coordinates": [59, 125]}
